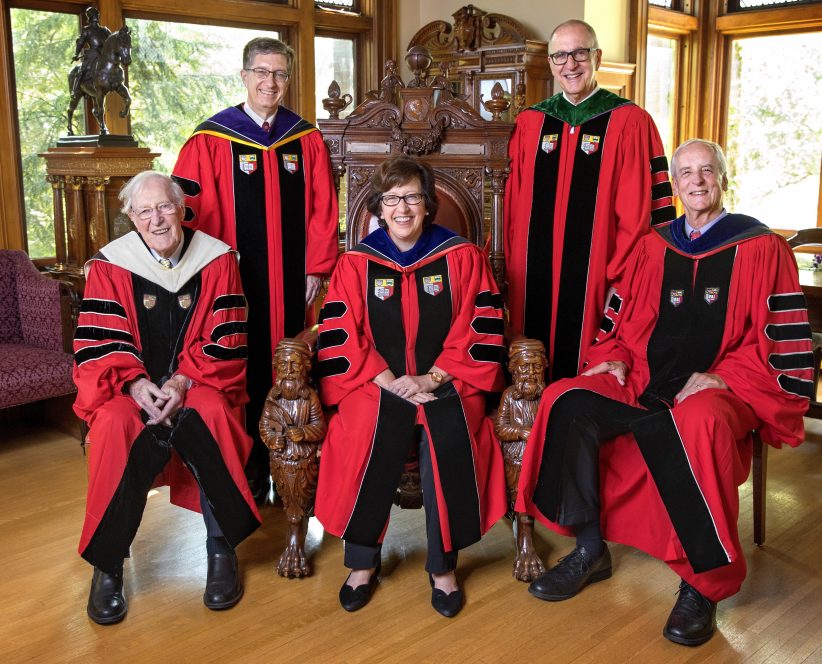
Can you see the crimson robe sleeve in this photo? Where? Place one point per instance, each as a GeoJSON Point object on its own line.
{"type": "Point", "coordinates": [347, 357]}
{"type": "Point", "coordinates": [771, 369]}
{"type": "Point", "coordinates": [106, 342]}
{"type": "Point", "coordinates": [322, 216]}
{"type": "Point", "coordinates": [473, 350]}
{"type": "Point", "coordinates": [513, 187]}
{"type": "Point", "coordinates": [216, 343]}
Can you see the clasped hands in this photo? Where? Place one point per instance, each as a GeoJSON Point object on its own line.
{"type": "Point", "coordinates": [416, 389]}
{"type": "Point", "coordinates": [696, 383]}
{"type": "Point", "coordinates": [161, 403]}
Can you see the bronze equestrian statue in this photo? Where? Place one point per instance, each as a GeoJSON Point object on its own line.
{"type": "Point", "coordinates": [101, 71]}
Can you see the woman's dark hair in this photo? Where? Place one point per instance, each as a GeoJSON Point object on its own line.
{"type": "Point", "coordinates": [395, 172]}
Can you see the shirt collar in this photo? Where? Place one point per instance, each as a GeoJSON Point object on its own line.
{"type": "Point", "coordinates": [706, 227]}
{"type": "Point", "coordinates": [259, 120]}
{"type": "Point", "coordinates": [593, 92]}
{"type": "Point", "coordinates": [175, 257]}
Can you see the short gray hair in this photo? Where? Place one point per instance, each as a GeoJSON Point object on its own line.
{"type": "Point", "coordinates": [578, 23]}
{"type": "Point", "coordinates": [133, 186]}
{"type": "Point", "coordinates": [265, 45]}
{"type": "Point", "coordinates": [719, 155]}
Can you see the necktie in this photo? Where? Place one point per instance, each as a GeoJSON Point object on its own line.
{"type": "Point", "coordinates": [165, 263]}
{"type": "Point", "coordinates": [266, 127]}
{"type": "Point", "coordinates": [694, 235]}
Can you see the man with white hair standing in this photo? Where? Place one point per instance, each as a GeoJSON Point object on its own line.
{"type": "Point", "coordinates": [160, 355]}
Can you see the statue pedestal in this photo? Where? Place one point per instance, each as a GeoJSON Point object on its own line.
{"type": "Point", "coordinates": [97, 140]}
{"type": "Point", "coordinates": [85, 181]}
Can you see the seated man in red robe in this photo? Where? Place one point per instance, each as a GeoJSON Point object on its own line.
{"type": "Point", "coordinates": [160, 355]}
{"type": "Point", "coordinates": [706, 340]}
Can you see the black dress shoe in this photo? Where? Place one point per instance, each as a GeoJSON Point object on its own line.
{"type": "Point", "coordinates": [693, 619]}
{"type": "Point", "coordinates": [571, 574]}
{"type": "Point", "coordinates": [353, 599]}
{"type": "Point", "coordinates": [106, 602]}
{"type": "Point", "coordinates": [446, 604]}
{"type": "Point", "coordinates": [223, 588]}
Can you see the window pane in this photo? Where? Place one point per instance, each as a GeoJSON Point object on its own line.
{"type": "Point", "coordinates": [336, 4]}
{"type": "Point", "coordinates": [736, 5]}
{"type": "Point", "coordinates": [774, 134]}
{"type": "Point", "coordinates": [668, 4]}
{"type": "Point", "coordinates": [660, 87]}
{"type": "Point", "coordinates": [43, 45]}
{"type": "Point", "coordinates": [182, 74]}
{"type": "Point", "coordinates": [334, 61]}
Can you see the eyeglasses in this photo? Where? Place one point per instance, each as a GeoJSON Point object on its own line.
{"type": "Point", "coordinates": [392, 200]}
{"type": "Point", "coordinates": [262, 74]}
{"type": "Point", "coordinates": [578, 54]}
{"type": "Point", "coordinates": [146, 213]}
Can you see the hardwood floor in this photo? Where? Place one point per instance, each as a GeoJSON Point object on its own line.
{"type": "Point", "coordinates": [777, 617]}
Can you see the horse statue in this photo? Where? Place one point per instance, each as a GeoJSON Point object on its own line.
{"type": "Point", "coordinates": [105, 76]}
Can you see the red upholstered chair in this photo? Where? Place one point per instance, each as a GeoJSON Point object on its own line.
{"type": "Point", "coordinates": [34, 333]}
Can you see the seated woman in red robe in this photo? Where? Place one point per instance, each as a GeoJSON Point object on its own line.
{"type": "Point", "coordinates": [410, 340]}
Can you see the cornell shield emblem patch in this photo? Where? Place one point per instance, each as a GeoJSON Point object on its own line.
{"type": "Point", "coordinates": [149, 301]}
{"type": "Point", "coordinates": [291, 163]}
{"type": "Point", "coordinates": [677, 296]}
{"type": "Point", "coordinates": [383, 288]}
{"type": "Point", "coordinates": [549, 143]}
{"type": "Point", "coordinates": [433, 284]}
{"type": "Point", "coordinates": [589, 144]}
{"type": "Point", "coordinates": [711, 295]}
{"type": "Point", "coordinates": [248, 163]}
{"type": "Point", "coordinates": [184, 300]}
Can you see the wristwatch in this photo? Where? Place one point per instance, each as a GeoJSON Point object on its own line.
{"type": "Point", "coordinates": [436, 376]}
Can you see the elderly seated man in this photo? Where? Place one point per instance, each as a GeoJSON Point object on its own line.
{"type": "Point", "coordinates": [160, 359]}
{"type": "Point", "coordinates": [706, 340]}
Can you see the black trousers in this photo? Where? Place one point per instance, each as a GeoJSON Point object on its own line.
{"type": "Point", "coordinates": [359, 556]}
{"type": "Point", "coordinates": [567, 490]}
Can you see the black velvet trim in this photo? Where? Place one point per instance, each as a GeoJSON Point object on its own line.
{"type": "Point", "coordinates": [797, 386]}
{"type": "Point", "coordinates": [198, 449]}
{"type": "Point", "coordinates": [487, 353]}
{"type": "Point", "coordinates": [576, 251]}
{"type": "Point", "coordinates": [788, 332]}
{"type": "Point", "coordinates": [223, 353]}
{"type": "Point", "coordinates": [189, 187]}
{"type": "Point", "coordinates": [615, 302]}
{"type": "Point", "coordinates": [227, 329]}
{"type": "Point", "coordinates": [455, 467]}
{"type": "Point", "coordinates": [486, 325]}
{"type": "Point", "coordinates": [90, 333]}
{"type": "Point", "coordinates": [393, 436]}
{"type": "Point", "coordinates": [659, 164]}
{"type": "Point", "coordinates": [385, 317]}
{"type": "Point", "coordinates": [539, 261]}
{"type": "Point", "coordinates": [663, 214]}
{"type": "Point", "coordinates": [606, 325]}
{"type": "Point", "coordinates": [787, 302]}
{"type": "Point", "coordinates": [488, 299]}
{"type": "Point", "coordinates": [667, 461]}
{"type": "Point", "coordinates": [434, 321]}
{"type": "Point", "coordinates": [331, 338]}
{"type": "Point", "coordinates": [332, 310]}
{"type": "Point", "coordinates": [333, 366]}
{"type": "Point", "coordinates": [661, 190]}
{"type": "Point", "coordinates": [791, 361]}
{"type": "Point", "coordinates": [105, 307]}
{"type": "Point", "coordinates": [224, 302]}
{"type": "Point", "coordinates": [96, 352]}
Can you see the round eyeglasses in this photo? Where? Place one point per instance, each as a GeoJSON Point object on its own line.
{"type": "Point", "coordinates": [146, 213]}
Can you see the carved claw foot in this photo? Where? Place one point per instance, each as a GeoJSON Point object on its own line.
{"type": "Point", "coordinates": [527, 565]}
{"type": "Point", "coordinates": [293, 562]}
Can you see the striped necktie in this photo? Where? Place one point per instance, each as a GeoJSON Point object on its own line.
{"type": "Point", "coordinates": [266, 127]}
{"type": "Point", "coordinates": [165, 263]}
{"type": "Point", "coordinates": [694, 235]}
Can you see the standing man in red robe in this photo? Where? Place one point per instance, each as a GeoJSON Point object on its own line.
{"type": "Point", "coordinates": [588, 178]}
{"type": "Point", "coordinates": [708, 339]}
{"type": "Point", "coordinates": [160, 355]}
{"type": "Point", "coordinates": [258, 177]}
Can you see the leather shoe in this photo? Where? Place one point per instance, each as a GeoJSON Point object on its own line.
{"type": "Point", "coordinates": [446, 604]}
{"type": "Point", "coordinates": [106, 602]}
{"type": "Point", "coordinates": [353, 599]}
{"type": "Point", "coordinates": [693, 619]}
{"type": "Point", "coordinates": [571, 574]}
{"type": "Point", "coordinates": [223, 588]}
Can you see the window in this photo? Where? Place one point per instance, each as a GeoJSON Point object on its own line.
{"type": "Point", "coordinates": [774, 136]}
{"type": "Point", "coordinates": [661, 87]}
{"type": "Point", "coordinates": [43, 44]}
{"type": "Point", "coordinates": [334, 61]}
{"type": "Point", "coordinates": [182, 74]}
{"type": "Point", "coordinates": [741, 5]}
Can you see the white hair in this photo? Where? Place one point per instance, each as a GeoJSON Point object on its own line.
{"type": "Point", "coordinates": [713, 147]}
{"type": "Point", "coordinates": [130, 189]}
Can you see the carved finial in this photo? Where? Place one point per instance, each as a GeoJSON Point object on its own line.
{"type": "Point", "coordinates": [498, 104]}
{"type": "Point", "coordinates": [419, 61]}
{"type": "Point", "coordinates": [334, 103]}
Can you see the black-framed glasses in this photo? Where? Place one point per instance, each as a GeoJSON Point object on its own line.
{"type": "Point", "coordinates": [146, 213]}
{"type": "Point", "coordinates": [262, 74]}
{"type": "Point", "coordinates": [578, 54]}
{"type": "Point", "coordinates": [392, 200]}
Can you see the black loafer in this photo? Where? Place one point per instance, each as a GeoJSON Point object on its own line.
{"type": "Point", "coordinates": [693, 619]}
{"type": "Point", "coordinates": [223, 588]}
{"type": "Point", "coordinates": [353, 599]}
{"type": "Point", "coordinates": [106, 602]}
{"type": "Point", "coordinates": [571, 574]}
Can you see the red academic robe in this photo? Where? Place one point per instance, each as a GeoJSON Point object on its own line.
{"type": "Point", "coordinates": [577, 201]}
{"type": "Point", "coordinates": [443, 309]}
{"type": "Point", "coordinates": [760, 346]}
{"type": "Point", "coordinates": [110, 352]}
